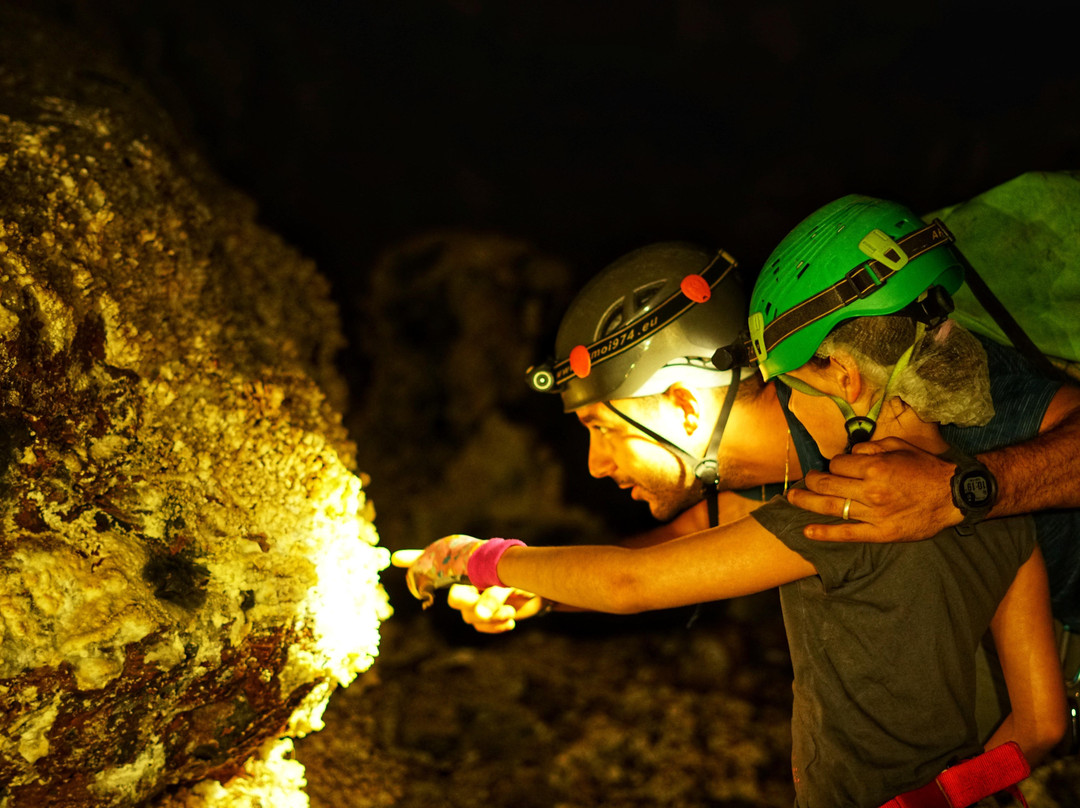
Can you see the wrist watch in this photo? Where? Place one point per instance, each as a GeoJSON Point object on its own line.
{"type": "Point", "coordinates": [974, 490]}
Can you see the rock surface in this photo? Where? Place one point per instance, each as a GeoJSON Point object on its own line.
{"type": "Point", "coordinates": [187, 562]}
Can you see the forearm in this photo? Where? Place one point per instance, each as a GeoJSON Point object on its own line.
{"type": "Point", "coordinates": [1036, 742]}
{"type": "Point", "coordinates": [598, 578]}
{"type": "Point", "coordinates": [726, 562]}
{"type": "Point", "coordinates": [1004, 734]}
{"type": "Point", "coordinates": [618, 580]}
{"type": "Point", "coordinates": [1024, 636]}
{"type": "Point", "coordinates": [662, 533]}
{"type": "Point", "coordinates": [1041, 473]}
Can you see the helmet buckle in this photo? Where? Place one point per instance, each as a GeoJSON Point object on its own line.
{"type": "Point", "coordinates": [708, 471]}
{"type": "Point", "coordinates": [581, 361]}
{"type": "Point", "coordinates": [862, 280]}
{"type": "Point", "coordinates": [859, 429]}
{"type": "Point", "coordinates": [757, 335]}
{"type": "Point", "coordinates": [879, 246]}
{"type": "Point", "coordinates": [932, 307]}
{"type": "Point", "coordinates": [696, 288]}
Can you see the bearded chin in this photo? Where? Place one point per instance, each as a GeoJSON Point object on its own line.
{"type": "Point", "coordinates": [673, 502]}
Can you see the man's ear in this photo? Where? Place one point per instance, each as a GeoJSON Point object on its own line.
{"type": "Point", "coordinates": [843, 372]}
{"type": "Point", "coordinates": [684, 399]}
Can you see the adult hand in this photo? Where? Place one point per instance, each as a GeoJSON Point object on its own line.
{"type": "Point", "coordinates": [495, 609]}
{"type": "Point", "coordinates": [440, 564]}
{"type": "Point", "coordinates": [898, 492]}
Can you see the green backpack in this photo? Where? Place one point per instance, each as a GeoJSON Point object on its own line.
{"type": "Point", "coordinates": [1023, 239]}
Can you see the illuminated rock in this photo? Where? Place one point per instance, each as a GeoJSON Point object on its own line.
{"type": "Point", "coordinates": [187, 562]}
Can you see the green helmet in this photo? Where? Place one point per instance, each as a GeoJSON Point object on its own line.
{"type": "Point", "coordinates": [653, 317]}
{"type": "Point", "coordinates": [855, 257]}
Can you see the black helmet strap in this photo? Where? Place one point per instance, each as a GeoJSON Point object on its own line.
{"type": "Point", "coordinates": [706, 469]}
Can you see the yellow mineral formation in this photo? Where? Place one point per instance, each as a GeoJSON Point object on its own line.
{"type": "Point", "coordinates": [188, 563]}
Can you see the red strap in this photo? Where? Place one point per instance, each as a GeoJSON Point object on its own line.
{"type": "Point", "coordinates": [966, 783]}
{"type": "Point", "coordinates": [989, 773]}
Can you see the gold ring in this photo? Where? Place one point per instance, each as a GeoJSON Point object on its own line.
{"type": "Point", "coordinates": [847, 507]}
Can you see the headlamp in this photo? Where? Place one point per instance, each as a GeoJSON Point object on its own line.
{"type": "Point", "coordinates": [541, 378]}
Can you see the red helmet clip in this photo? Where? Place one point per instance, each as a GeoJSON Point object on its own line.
{"type": "Point", "coordinates": [696, 288]}
{"type": "Point", "coordinates": [580, 361]}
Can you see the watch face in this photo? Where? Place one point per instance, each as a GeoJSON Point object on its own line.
{"type": "Point", "coordinates": [974, 489]}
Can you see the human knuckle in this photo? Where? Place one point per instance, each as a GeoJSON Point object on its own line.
{"type": "Point", "coordinates": [878, 497]}
{"type": "Point", "coordinates": [878, 467]}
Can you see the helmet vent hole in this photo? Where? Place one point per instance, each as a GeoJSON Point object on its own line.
{"type": "Point", "coordinates": [799, 274]}
{"type": "Point", "coordinates": [630, 307]}
{"type": "Point", "coordinates": [612, 320]}
{"type": "Point", "coordinates": [645, 296]}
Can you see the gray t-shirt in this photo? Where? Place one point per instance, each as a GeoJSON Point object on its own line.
{"type": "Point", "coordinates": [883, 644]}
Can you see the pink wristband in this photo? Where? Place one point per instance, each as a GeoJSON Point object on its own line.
{"type": "Point", "coordinates": [482, 565]}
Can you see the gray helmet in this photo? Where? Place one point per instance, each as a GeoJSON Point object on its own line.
{"type": "Point", "coordinates": [653, 317]}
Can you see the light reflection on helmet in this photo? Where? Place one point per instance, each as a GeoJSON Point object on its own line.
{"type": "Point", "coordinates": [654, 316]}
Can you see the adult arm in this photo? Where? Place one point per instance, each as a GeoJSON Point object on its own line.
{"type": "Point", "coordinates": [1024, 636]}
{"type": "Point", "coordinates": [899, 492]}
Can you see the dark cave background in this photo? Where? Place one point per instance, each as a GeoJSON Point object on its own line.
{"type": "Point", "coordinates": [589, 129]}
{"type": "Point", "coordinates": [582, 129]}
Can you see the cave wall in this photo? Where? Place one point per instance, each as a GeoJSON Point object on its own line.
{"type": "Point", "coordinates": [188, 566]}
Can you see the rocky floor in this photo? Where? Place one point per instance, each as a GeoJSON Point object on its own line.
{"type": "Point", "coordinates": [577, 712]}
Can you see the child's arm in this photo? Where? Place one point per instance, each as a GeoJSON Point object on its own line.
{"type": "Point", "coordinates": [729, 561]}
{"type": "Point", "coordinates": [1024, 637]}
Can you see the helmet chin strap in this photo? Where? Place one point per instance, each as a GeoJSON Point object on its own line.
{"type": "Point", "coordinates": [707, 468]}
{"type": "Point", "coordinates": [860, 428]}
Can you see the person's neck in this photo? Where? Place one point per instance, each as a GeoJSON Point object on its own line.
{"type": "Point", "coordinates": [898, 420]}
{"type": "Point", "coordinates": [758, 435]}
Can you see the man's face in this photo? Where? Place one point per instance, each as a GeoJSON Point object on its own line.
{"type": "Point", "coordinates": [651, 471]}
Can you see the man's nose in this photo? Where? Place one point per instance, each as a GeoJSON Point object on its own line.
{"type": "Point", "coordinates": [600, 462]}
